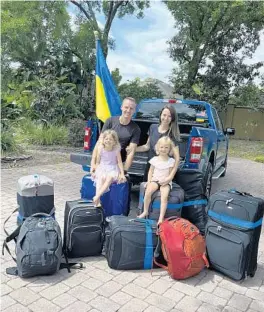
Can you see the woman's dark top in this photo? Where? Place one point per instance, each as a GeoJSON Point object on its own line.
{"type": "Point", "coordinates": [154, 136]}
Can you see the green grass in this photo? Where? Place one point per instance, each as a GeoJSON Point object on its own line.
{"type": "Point", "coordinates": [253, 150]}
{"type": "Point", "coordinates": [31, 133]}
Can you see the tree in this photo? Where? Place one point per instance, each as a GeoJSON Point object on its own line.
{"type": "Point", "coordinates": [116, 76]}
{"type": "Point", "coordinates": [82, 44]}
{"type": "Point", "coordinates": [140, 90]}
{"type": "Point", "coordinates": [248, 95]}
{"type": "Point", "coordinates": [212, 42]}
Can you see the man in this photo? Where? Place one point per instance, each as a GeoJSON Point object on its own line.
{"type": "Point", "coordinates": [127, 130]}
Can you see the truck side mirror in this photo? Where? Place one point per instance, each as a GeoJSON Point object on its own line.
{"type": "Point", "coordinates": [230, 131]}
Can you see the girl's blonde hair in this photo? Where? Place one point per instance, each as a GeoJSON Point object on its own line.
{"type": "Point", "coordinates": [166, 140]}
{"type": "Point", "coordinates": [113, 135]}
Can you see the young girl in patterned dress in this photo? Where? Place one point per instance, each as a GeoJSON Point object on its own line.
{"type": "Point", "coordinates": [106, 164]}
{"type": "Point", "coordinates": [160, 169]}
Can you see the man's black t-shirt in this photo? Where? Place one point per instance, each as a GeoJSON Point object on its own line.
{"type": "Point", "coordinates": [127, 134]}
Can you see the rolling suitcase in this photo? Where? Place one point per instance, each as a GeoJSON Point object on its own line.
{"type": "Point", "coordinates": [83, 229]}
{"type": "Point", "coordinates": [194, 206]}
{"type": "Point", "coordinates": [233, 232]}
{"type": "Point", "coordinates": [114, 202]}
{"type": "Point", "coordinates": [175, 202]}
{"type": "Point", "coordinates": [130, 243]}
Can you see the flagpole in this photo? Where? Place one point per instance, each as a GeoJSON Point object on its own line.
{"type": "Point", "coordinates": [96, 36]}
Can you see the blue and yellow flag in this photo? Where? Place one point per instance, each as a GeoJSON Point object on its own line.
{"type": "Point", "coordinates": [108, 102]}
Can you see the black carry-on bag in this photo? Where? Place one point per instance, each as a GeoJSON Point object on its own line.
{"type": "Point", "coordinates": [83, 229]}
{"type": "Point", "coordinates": [233, 232]}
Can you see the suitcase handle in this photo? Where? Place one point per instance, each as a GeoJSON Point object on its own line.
{"type": "Point", "coordinates": [172, 218]}
{"type": "Point", "coordinates": [144, 221]}
{"type": "Point", "coordinates": [234, 191]}
{"type": "Point", "coordinates": [39, 214]}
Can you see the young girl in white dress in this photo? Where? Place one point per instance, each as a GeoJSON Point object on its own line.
{"type": "Point", "coordinates": [106, 164]}
{"type": "Point", "coordinates": [158, 176]}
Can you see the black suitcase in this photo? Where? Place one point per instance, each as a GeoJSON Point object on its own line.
{"type": "Point", "coordinates": [233, 232]}
{"type": "Point", "coordinates": [130, 243]}
{"type": "Point", "coordinates": [83, 229]}
{"type": "Point", "coordinates": [175, 202]}
{"type": "Point", "coordinates": [194, 206]}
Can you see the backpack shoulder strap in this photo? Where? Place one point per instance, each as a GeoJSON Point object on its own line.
{"type": "Point", "coordinates": [9, 238]}
{"type": "Point", "coordinates": [7, 234]}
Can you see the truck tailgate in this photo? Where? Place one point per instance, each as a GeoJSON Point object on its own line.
{"type": "Point", "coordinates": [83, 159]}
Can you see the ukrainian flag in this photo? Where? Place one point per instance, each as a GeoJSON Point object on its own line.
{"type": "Point", "coordinates": [108, 102]}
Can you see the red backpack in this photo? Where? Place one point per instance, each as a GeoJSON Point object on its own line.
{"type": "Point", "coordinates": [183, 248]}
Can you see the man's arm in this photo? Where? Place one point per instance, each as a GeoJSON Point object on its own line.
{"type": "Point", "coordinates": [132, 148]}
{"type": "Point", "coordinates": [130, 156]}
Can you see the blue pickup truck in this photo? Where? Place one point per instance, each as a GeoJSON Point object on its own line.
{"type": "Point", "coordinates": [204, 141]}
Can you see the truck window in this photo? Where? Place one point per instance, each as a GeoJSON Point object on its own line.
{"type": "Point", "coordinates": [218, 122]}
{"type": "Point", "coordinates": [191, 114]}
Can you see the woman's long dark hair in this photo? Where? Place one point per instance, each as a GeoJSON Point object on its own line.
{"type": "Point", "coordinates": [174, 131]}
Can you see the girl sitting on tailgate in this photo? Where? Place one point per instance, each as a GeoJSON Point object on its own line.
{"type": "Point", "coordinates": [160, 169]}
{"type": "Point", "coordinates": [106, 164]}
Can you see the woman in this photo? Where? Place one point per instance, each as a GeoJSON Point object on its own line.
{"type": "Point", "coordinates": [168, 126]}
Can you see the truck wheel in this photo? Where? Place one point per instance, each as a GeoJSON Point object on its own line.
{"type": "Point", "coordinates": [208, 180]}
{"type": "Point", "coordinates": [225, 166]}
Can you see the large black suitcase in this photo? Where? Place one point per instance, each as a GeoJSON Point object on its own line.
{"type": "Point", "coordinates": [83, 229]}
{"type": "Point", "coordinates": [175, 202]}
{"type": "Point", "coordinates": [192, 182]}
{"type": "Point", "coordinates": [232, 233]}
{"type": "Point", "coordinates": [130, 243]}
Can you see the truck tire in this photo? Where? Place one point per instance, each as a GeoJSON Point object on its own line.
{"type": "Point", "coordinates": [208, 180]}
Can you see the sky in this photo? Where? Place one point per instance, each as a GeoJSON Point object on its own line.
{"type": "Point", "coordinates": [141, 44]}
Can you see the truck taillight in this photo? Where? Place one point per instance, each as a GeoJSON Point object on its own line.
{"type": "Point", "coordinates": [87, 138]}
{"type": "Point", "coordinates": [196, 150]}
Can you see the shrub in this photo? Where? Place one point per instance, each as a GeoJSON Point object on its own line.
{"type": "Point", "coordinates": [8, 141]}
{"type": "Point", "coordinates": [260, 159]}
{"type": "Point", "coordinates": [76, 132]}
{"type": "Point", "coordinates": [36, 133]}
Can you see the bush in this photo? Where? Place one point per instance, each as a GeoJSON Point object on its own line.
{"type": "Point", "coordinates": [35, 133]}
{"type": "Point", "coordinates": [76, 132]}
{"type": "Point", "coordinates": [8, 141]}
{"type": "Point", "coordinates": [260, 159]}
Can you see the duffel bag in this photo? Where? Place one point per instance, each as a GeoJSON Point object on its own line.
{"type": "Point", "coordinates": [130, 243]}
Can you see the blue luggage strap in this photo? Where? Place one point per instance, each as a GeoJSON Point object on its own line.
{"type": "Point", "coordinates": [148, 259]}
{"type": "Point", "coordinates": [235, 221]}
{"type": "Point", "coordinates": [156, 203]}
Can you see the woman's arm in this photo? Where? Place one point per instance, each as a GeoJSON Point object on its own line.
{"type": "Point", "coordinates": [143, 148]}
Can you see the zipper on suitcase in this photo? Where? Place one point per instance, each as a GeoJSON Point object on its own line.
{"type": "Point", "coordinates": [77, 227]}
{"type": "Point", "coordinates": [71, 212]}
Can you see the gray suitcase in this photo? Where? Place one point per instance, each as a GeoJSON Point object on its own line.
{"type": "Point", "coordinates": [175, 202]}
{"type": "Point", "coordinates": [233, 232]}
{"type": "Point", "coordinates": [35, 194]}
{"type": "Point", "coordinates": [130, 243]}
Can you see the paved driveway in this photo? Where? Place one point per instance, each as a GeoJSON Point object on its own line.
{"type": "Point", "coordinates": [99, 288]}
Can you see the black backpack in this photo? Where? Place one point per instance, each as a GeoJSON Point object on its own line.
{"type": "Point", "coordinates": [38, 247]}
